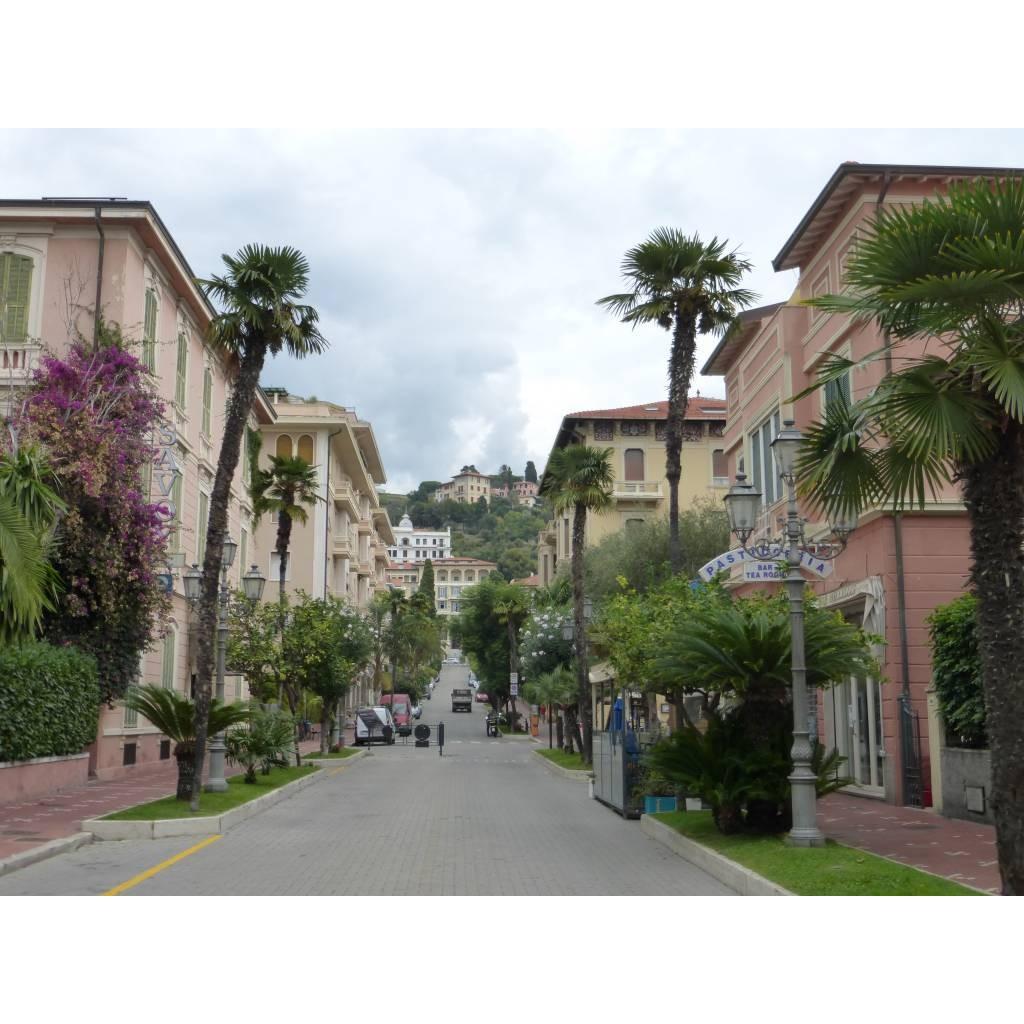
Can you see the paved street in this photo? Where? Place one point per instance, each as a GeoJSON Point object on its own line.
{"type": "Point", "coordinates": [487, 818]}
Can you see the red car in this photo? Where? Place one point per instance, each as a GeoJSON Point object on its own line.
{"type": "Point", "coordinates": [401, 709]}
{"type": "Point", "coordinates": [482, 698]}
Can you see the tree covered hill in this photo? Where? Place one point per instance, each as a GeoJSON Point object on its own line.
{"type": "Point", "coordinates": [503, 532]}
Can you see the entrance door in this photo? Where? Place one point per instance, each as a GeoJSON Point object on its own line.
{"type": "Point", "coordinates": [857, 724]}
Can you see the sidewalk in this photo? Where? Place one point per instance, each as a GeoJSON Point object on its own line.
{"type": "Point", "coordinates": [962, 851]}
{"type": "Point", "coordinates": [26, 825]}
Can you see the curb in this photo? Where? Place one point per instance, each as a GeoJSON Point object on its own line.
{"type": "Point", "coordinates": [165, 828]}
{"type": "Point", "coordinates": [738, 878]}
{"type": "Point", "coordinates": [335, 762]}
{"type": "Point", "coordinates": [569, 773]}
{"type": "Point", "coordinates": [44, 852]}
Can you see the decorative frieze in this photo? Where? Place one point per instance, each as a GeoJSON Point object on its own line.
{"type": "Point", "coordinates": [634, 428]}
{"type": "Point", "coordinates": [693, 432]}
{"type": "Point", "coordinates": [604, 430]}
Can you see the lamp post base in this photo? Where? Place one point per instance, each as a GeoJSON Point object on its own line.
{"type": "Point", "coordinates": [216, 783]}
{"type": "Point", "coordinates": [805, 838]}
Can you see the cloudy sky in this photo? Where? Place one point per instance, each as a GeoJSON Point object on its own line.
{"type": "Point", "coordinates": [456, 271]}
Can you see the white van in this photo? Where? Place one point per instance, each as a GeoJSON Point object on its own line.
{"type": "Point", "coordinates": [371, 723]}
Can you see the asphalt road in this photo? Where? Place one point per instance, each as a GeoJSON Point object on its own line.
{"type": "Point", "coordinates": [486, 818]}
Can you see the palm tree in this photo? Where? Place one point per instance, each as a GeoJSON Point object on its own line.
{"type": "Point", "coordinates": [29, 510]}
{"type": "Point", "coordinates": [686, 286]}
{"type": "Point", "coordinates": [948, 272]}
{"type": "Point", "coordinates": [261, 315]}
{"type": "Point", "coordinates": [512, 609]}
{"type": "Point", "coordinates": [551, 688]}
{"type": "Point", "coordinates": [578, 479]}
{"type": "Point", "coordinates": [174, 715]}
{"type": "Point", "coordinates": [285, 488]}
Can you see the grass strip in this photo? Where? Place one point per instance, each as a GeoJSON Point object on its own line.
{"type": "Point", "coordinates": [344, 752]}
{"type": "Point", "coordinates": [211, 804]}
{"type": "Point", "coordinates": [832, 870]}
{"type": "Point", "coordinates": [571, 761]}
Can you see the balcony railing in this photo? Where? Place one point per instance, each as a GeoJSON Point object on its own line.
{"type": "Point", "coordinates": [17, 363]}
{"type": "Point", "coordinates": [637, 489]}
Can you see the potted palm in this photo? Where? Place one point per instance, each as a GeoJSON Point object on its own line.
{"type": "Point", "coordinates": [174, 715]}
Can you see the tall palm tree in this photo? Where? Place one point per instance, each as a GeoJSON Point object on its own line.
{"type": "Point", "coordinates": [260, 315]}
{"type": "Point", "coordinates": [287, 487]}
{"type": "Point", "coordinates": [549, 689]}
{"type": "Point", "coordinates": [578, 479]}
{"type": "Point", "coordinates": [512, 609]}
{"type": "Point", "coordinates": [688, 287]}
{"type": "Point", "coordinates": [949, 272]}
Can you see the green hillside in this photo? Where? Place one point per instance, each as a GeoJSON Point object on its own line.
{"type": "Point", "coordinates": [505, 532]}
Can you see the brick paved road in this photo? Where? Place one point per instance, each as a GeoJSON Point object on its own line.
{"type": "Point", "coordinates": [485, 819]}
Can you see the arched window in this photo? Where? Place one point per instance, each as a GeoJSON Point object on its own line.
{"type": "Point", "coordinates": [284, 446]}
{"type": "Point", "coordinates": [442, 575]}
{"type": "Point", "coordinates": [456, 576]}
{"type": "Point", "coordinates": [306, 449]}
{"type": "Point", "coordinates": [634, 463]}
{"type": "Point", "coordinates": [470, 575]}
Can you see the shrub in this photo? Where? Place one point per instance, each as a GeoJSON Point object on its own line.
{"type": "Point", "coordinates": [956, 669]}
{"type": "Point", "coordinates": [267, 742]}
{"type": "Point", "coordinates": [49, 701]}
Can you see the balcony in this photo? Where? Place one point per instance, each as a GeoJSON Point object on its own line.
{"type": "Point", "coordinates": [637, 490]}
{"type": "Point", "coordinates": [17, 361]}
{"type": "Point", "coordinates": [343, 545]}
{"type": "Point", "coordinates": [345, 497]}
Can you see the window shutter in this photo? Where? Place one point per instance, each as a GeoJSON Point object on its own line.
{"type": "Point", "coordinates": [204, 515]}
{"type": "Point", "coordinates": [167, 672]}
{"type": "Point", "coordinates": [149, 332]}
{"type": "Point", "coordinates": [15, 290]}
{"type": "Point", "coordinates": [176, 499]}
{"type": "Point", "coordinates": [180, 384]}
{"type": "Point", "coordinates": [207, 399]}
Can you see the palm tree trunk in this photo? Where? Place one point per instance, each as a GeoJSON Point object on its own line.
{"type": "Point", "coordinates": [284, 535]}
{"type": "Point", "coordinates": [583, 696]}
{"type": "Point", "coordinates": [227, 462]}
{"type": "Point", "coordinates": [680, 375]}
{"type": "Point", "coordinates": [994, 494]}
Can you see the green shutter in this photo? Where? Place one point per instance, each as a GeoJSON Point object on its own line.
{"type": "Point", "coordinates": [176, 499]}
{"type": "Point", "coordinates": [167, 669]}
{"type": "Point", "coordinates": [204, 515]}
{"type": "Point", "coordinates": [146, 479]}
{"type": "Point", "coordinates": [131, 718]}
{"type": "Point", "coordinates": [149, 332]}
{"type": "Point", "coordinates": [243, 554]}
{"type": "Point", "coordinates": [15, 290]}
{"type": "Point", "coordinates": [182, 379]}
{"type": "Point", "coordinates": [207, 399]}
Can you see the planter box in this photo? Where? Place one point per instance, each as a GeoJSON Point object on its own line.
{"type": "Point", "coordinates": [659, 804]}
{"type": "Point", "coordinates": [966, 784]}
{"type": "Point", "coordinates": [42, 776]}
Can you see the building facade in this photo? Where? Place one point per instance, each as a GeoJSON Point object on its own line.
{"type": "Point", "coordinates": [896, 569]}
{"type": "Point", "coordinates": [417, 545]}
{"type": "Point", "coordinates": [636, 435]}
{"type": "Point", "coordinates": [467, 486]}
{"type": "Point", "coordinates": [452, 578]}
{"type": "Point", "coordinates": [57, 257]}
{"type": "Point", "coordinates": [522, 491]}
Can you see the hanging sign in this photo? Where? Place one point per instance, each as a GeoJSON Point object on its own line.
{"type": "Point", "coordinates": [761, 570]}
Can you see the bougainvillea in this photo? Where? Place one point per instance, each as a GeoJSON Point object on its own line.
{"type": "Point", "coordinates": [95, 411]}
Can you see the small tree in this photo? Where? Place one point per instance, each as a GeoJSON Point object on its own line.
{"type": "Point", "coordinates": [530, 473]}
{"type": "Point", "coordinates": [426, 587]}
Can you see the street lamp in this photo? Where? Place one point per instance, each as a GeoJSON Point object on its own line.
{"type": "Point", "coordinates": [743, 503]}
{"type": "Point", "coordinates": [253, 583]}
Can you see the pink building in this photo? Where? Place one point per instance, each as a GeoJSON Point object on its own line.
{"type": "Point", "coordinates": [896, 569]}
{"type": "Point", "coordinates": [55, 251]}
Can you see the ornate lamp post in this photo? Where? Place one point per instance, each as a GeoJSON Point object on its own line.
{"type": "Point", "coordinates": [252, 583]}
{"type": "Point", "coordinates": [743, 504]}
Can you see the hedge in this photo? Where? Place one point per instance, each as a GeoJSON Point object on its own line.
{"type": "Point", "coordinates": [49, 701]}
{"type": "Point", "coordinates": [956, 670]}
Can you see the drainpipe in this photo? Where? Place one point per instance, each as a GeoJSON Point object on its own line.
{"type": "Point", "coordinates": [901, 580]}
{"type": "Point", "coordinates": [99, 278]}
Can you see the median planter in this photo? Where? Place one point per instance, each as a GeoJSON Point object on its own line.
{"type": "Point", "coordinates": [659, 804]}
{"type": "Point", "coordinates": [580, 775]}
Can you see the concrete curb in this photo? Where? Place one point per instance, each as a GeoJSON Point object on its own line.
{"type": "Point", "coordinates": [738, 878]}
{"type": "Point", "coordinates": [569, 773]}
{"type": "Point", "coordinates": [44, 852]}
{"type": "Point", "coordinates": [334, 762]}
{"type": "Point", "coordinates": [205, 826]}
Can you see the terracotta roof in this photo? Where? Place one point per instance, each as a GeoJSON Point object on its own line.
{"type": "Point", "coordinates": [698, 408]}
{"type": "Point", "coordinates": [528, 581]}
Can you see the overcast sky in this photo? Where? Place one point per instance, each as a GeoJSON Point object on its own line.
{"type": "Point", "coordinates": [456, 272]}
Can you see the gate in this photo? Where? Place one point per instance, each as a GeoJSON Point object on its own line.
{"type": "Point", "coordinates": [910, 753]}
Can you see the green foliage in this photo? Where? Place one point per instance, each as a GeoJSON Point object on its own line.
{"type": "Point", "coordinates": [426, 586]}
{"type": "Point", "coordinates": [552, 688]}
{"type": "Point", "coordinates": [174, 714]}
{"type": "Point", "coordinates": [49, 701]}
{"type": "Point", "coordinates": [485, 637]}
{"type": "Point", "coordinates": [637, 558]}
{"type": "Point", "coordinates": [531, 473]}
{"type": "Point", "coordinates": [542, 647]}
{"type": "Point", "coordinates": [956, 670]}
{"type": "Point", "coordinates": [268, 742]}
{"type": "Point", "coordinates": [254, 646]}
{"type": "Point", "coordinates": [579, 476]}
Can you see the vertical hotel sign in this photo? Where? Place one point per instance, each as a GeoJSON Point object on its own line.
{"type": "Point", "coordinates": [165, 472]}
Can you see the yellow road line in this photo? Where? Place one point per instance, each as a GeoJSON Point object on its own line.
{"type": "Point", "coordinates": [339, 769]}
{"type": "Point", "coordinates": [138, 879]}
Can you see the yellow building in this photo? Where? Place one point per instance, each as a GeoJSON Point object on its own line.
{"type": "Point", "coordinates": [452, 578]}
{"type": "Point", "coordinates": [466, 486]}
{"type": "Point", "coordinates": [636, 435]}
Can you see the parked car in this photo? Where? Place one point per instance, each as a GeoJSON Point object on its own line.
{"type": "Point", "coordinates": [371, 724]}
{"type": "Point", "coordinates": [481, 697]}
{"type": "Point", "coordinates": [416, 711]}
{"type": "Point", "coordinates": [401, 708]}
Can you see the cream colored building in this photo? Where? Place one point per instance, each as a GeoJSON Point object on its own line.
{"type": "Point", "coordinates": [467, 486]}
{"type": "Point", "coordinates": [452, 578]}
{"type": "Point", "coordinates": [636, 435]}
{"type": "Point", "coordinates": [52, 253]}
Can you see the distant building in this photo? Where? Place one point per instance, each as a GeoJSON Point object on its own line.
{"type": "Point", "coordinates": [530, 582]}
{"type": "Point", "coordinates": [417, 545]}
{"type": "Point", "coordinates": [636, 435]}
{"type": "Point", "coordinates": [467, 486]}
{"type": "Point", "coordinates": [452, 578]}
{"type": "Point", "coordinates": [523, 491]}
